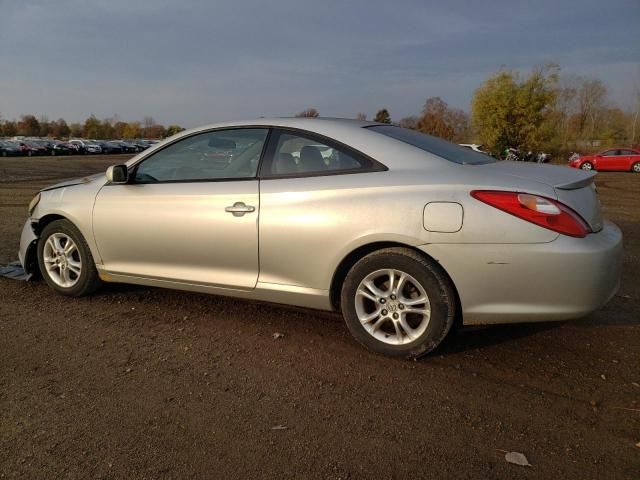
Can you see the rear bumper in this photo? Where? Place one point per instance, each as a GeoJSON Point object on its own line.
{"type": "Point", "coordinates": [27, 253]}
{"type": "Point", "coordinates": [509, 283]}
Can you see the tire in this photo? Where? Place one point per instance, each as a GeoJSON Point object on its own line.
{"type": "Point", "coordinates": [84, 283]}
{"type": "Point", "coordinates": [387, 334]}
{"type": "Point", "coordinates": [635, 168]}
{"type": "Point", "coordinates": [586, 166]}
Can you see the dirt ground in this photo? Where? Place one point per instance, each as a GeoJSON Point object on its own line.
{"type": "Point", "coordinates": [147, 383]}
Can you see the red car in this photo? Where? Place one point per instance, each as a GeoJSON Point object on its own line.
{"type": "Point", "coordinates": [613, 159]}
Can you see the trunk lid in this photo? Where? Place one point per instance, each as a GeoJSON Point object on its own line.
{"type": "Point", "coordinates": [574, 188]}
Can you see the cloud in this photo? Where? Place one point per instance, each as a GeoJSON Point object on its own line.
{"type": "Point", "coordinates": [196, 61]}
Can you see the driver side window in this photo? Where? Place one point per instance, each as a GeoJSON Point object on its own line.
{"type": "Point", "coordinates": [217, 155]}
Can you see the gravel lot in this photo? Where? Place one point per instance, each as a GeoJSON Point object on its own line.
{"type": "Point", "coordinates": [147, 383]}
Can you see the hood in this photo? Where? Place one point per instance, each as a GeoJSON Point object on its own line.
{"type": "Point", "coordinates": [76, 181]}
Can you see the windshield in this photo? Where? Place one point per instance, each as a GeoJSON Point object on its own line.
{"type": "Point", "coordinates": [437, 146]}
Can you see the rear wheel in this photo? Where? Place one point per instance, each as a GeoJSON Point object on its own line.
{"type": "Point", "coordinates": [398, 303]}
{"type": "Point", "coordinates": [586, 166]}
{"type": "Point", "coordinates": [65, 260]}
{"type": "Point", "coordinates": [635, 167]}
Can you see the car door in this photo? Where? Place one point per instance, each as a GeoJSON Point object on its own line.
{"type": "Point", "coordinates": [188, 213]}
{"type": "Point", "coordinates": [607, 160]}
{"type": "Point", "coordinates": [307, 200]}
{"type": "Point", "coordinates": [629, 157]}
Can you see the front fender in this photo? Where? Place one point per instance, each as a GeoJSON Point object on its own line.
{"type": "Point", "coordinates": [28, 253]}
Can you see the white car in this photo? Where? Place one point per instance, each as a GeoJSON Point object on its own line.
{"type": "Point", "coordinates": [473, 146]}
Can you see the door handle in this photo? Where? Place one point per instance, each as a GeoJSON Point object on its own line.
{"type": "Point", "coordinates": [239, 209]}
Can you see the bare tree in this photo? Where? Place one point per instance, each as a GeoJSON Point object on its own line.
{"type": "Point", "coordinates": [361, 116]}
{"type": "Point", "coordinates": [636, 113]}
{"type": "Point", "coordinates": [591, 101]}
{"type": "Point", "coordinates": [409, 122]}
{"type": "Point", "coordinates": [308, 113]}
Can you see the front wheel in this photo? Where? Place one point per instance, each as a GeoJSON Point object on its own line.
{"type": "Point", "coordinates": [65, 260]}
{"type": "Point", "coordinates": [398, 303]}
{"type": "Point", "coordinates": [586, 166]}
{"type": "Point", "coordinates": [635, 168]}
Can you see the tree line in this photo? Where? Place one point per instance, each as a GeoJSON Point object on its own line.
{"type": "Point", "coordinates": [543, 110]}
{"type": "Point", "coordinates": [92, 127]}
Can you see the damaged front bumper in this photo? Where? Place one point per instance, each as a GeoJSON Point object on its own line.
{"type": "Point", "coordinates": [28, 254]}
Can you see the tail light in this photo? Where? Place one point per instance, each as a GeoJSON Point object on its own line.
{"type": "Point", "coordinates": [542, 211]}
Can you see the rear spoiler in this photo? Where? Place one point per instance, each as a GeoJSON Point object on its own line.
{"type": "Point", "coordinates": [581, 183]}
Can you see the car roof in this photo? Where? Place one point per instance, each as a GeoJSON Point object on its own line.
{"type": "Point", "coordinates": [304, 123]}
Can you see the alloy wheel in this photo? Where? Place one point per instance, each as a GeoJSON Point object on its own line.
{"type": "Point", "coordinates": [62, 260]}
{"type": "Point", "coordinates": [392, 306]}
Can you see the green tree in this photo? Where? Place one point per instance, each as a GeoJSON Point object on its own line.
{"type": "Point", "coordinates": [508, 111]}
{"type": "Point", "coordinates": [382, 116]}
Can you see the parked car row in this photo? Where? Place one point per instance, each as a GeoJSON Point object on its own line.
{"type": "Point", "coordinates": [46, 146]}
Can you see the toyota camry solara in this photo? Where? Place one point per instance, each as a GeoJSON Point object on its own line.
{"type": "Point", "coordinates": [403, 233]}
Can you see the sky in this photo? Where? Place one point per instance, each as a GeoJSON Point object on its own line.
{"type": "Point", "coordinates": [194, 62]}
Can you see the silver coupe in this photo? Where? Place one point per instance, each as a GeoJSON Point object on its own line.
{"type": "Point", "coordinates": [403, 233]}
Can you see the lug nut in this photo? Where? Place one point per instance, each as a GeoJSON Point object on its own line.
{"type": "Point", "coordinates": [395, 316]}
{"type": "Point", "coordinates": [383, 301]}
{"type": "Point", "coordinates": [384, 312]}
{"type": "Point", "coordinates": [401, 306]}
{"type": "Point", "coordinates": [393, 297]}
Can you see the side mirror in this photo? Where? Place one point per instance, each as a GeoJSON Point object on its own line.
{"type": "Point", "coordinates": [117, 174]}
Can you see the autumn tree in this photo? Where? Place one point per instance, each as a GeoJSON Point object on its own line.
{"type": "Point", "coordinates": [75, 130]}
{"type": "Point", "coordinates": [59, 128]}
{"type": "Point", "coordinates": [45, 126]}
{"type": "Point", "coordinates": [29, 126]}
{"type": "Point", "coordinates": [154, 131]}
{"type": "Point", "coordinates": [118, 129]}
{"type": "Point", "coordinates": [91, 127]}
{"type": "Point", "coordinates": [510, 111]}
{"type": "Point", "coordinates": [382, 116]}
{"type": "Point", "coordinates": [9, 128]}
{"type": "Point", "coordinates": [444, 122]}
{"type": "Point", "coordinates": [172, 130]}
{"type": "Point", "coordinates": [410, 122]}
{"type": "Point", "coordinates": [132, 130]}
{"type": "Point", "coordinates": [308, 113]}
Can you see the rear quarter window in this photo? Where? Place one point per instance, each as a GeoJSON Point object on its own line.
{"type": "Point", "coordinates": [437, 146]}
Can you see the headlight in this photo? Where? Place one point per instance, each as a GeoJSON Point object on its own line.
{"type": "Point", "coordinates": [34, 203]}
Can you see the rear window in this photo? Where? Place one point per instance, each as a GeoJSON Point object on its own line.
{"type": "Point", "coordinates": [437, 146]}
